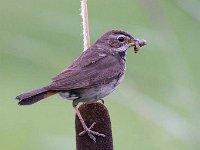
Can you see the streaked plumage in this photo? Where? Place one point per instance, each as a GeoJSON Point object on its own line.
{"type": "Point", "coordinates": [92, 76]}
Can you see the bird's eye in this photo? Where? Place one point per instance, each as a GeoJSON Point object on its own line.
{"type": "Point", "coordinates": [121, 39]}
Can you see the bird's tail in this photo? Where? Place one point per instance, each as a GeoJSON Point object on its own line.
{"type": "Point", "coordinates": [34, 96]}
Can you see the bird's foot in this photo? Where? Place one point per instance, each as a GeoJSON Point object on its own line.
{"type": "Point", "coordinates": [91, 133]}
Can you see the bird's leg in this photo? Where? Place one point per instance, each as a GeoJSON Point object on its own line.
{"type": "Point", "coordinates": [86, 129]}
{"type": "Point", "coordinates": [102, 101]}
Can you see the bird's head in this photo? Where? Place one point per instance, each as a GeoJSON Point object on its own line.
{"type": "Point", "coordinates": [119, 41]}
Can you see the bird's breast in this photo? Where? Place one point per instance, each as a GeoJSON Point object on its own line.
{"type": "Point", "coordinates": [100, 91]}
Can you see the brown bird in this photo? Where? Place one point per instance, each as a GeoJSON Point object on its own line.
{"type": "Point", "coordinates": [92, 76]}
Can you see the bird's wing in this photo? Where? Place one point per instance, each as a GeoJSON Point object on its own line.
{"type": "Point", "coordinates": [86, 72]}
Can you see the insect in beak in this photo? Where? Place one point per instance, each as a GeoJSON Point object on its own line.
{"type": "Point", "coordinates": [136, 43]}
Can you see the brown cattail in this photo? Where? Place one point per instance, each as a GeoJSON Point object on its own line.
{"type": "Point", "coordinates": [95, 112]}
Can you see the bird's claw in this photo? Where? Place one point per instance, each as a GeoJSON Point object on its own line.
{"type": "Point", "coordinates": [91, 133]}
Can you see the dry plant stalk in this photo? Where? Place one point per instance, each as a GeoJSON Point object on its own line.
{"type": "Point", "coordinates": [95, 112]}
{"type": "Point", "coordinates": [85, 24]}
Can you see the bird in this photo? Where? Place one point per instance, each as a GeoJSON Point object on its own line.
{"type": "Point", "coordinates": [96, 73]}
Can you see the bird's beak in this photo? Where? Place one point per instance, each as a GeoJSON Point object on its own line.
{"type": "Point", "coordinates": [136, 43]}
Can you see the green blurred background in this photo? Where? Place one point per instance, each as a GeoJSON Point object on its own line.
{"type": "Point", "coordinates": [156, 108]}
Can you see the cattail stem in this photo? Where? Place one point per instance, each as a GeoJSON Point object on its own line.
{"type": "Point", "coordinates": [85, 24]}
{"type": "Point", "coordinates": [95, 112]}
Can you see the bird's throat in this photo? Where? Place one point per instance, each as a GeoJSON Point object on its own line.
{"type": "Point", "coordinates": [122, 54]}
